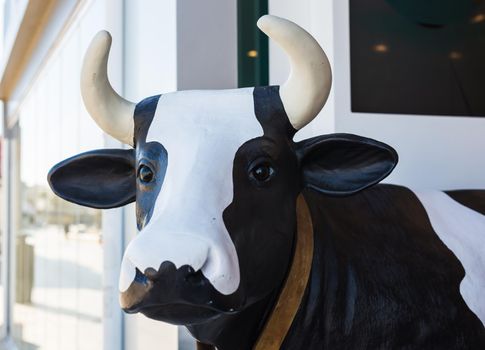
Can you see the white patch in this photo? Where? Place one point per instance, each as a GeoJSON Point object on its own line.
{"type": "Point", "coordinates": [201, 131]}
{"type": "Point", "coordinates": [463, 231]}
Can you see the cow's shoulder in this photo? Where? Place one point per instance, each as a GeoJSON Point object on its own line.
{"type": "Point", "coordinates": [380, 268]}
{"type": "Point", "coordinates": [460, 225]}
{"type": "Point", "coordinates": [384, 211]}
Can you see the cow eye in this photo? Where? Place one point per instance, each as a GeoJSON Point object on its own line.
{"type": "Point", "coordinates": [262, 172]}
{"type": "Point", "coordinates": [145, 174]}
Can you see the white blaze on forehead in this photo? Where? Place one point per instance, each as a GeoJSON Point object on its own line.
{"type": "Point", "coordinates": [462, 230]}
{"type": "Point", "coordinates": [201, 131]}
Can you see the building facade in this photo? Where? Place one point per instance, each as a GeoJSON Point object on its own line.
{"type": "Point", "coordinates": [60, 262]}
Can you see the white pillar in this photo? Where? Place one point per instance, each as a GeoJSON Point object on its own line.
{"type": "Point", "coordinates": [113, 227]}
{"type": "Point", "coordinates": [10, 220]}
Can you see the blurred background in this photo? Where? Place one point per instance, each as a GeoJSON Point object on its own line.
{"type": "Point", "coordinates": [410, 73]}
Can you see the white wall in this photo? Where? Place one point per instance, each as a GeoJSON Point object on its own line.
{"type": "Point", "coordinates": [207, 44]}
{"type": "Point", "coordinates": [150, 50]}
{"type": "Point", "coordinates": [435, 152]}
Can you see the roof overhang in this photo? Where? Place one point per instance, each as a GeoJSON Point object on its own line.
{"type": "Point", "coordinates": [20, 47]}
{"type": "Point", "coordinates": [38, 30]}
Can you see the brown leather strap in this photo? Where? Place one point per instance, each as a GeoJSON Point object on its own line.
{"type": "Point", "coordinates": [201, 346]}
{"type": "Point", "coordinates": [286, 307]}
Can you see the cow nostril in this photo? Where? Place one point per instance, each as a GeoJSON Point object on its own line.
{"type": "Point", "coordinates": [166, 269]}
{"type": "Point", "coordinates": [169, 273]}
{"type": "Point", "coordinates": [193, 277]}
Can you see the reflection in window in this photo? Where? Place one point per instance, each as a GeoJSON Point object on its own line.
{"type": "Point", "coordinates": [58, 246]}
{"type": "Point", "coordinates": [418, 56]}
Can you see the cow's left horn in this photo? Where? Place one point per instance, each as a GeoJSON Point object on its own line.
{"type": "Point", "coordinates": [307, 88]}
{"type": "Point", "coordinates": [109, 110]}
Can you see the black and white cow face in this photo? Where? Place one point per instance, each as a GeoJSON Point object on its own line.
{"type": "Point", "coordinates": [215, 176]}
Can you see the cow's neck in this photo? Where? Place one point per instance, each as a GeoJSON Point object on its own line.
{"type": "Point", "coordinates": [249, 328]}
{"type": "Point", "coordinates": [284, 312]}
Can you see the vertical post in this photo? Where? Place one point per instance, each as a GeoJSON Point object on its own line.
{"type": "Point", "coordinates": [5, 240]}
{"type": "Point", "coordinates": [113, 219]}
{"type": "Point", "coordinates": [10, 203]}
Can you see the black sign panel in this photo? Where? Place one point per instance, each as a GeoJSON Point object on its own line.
{"type": "Point", "coordinates": [418, 56]}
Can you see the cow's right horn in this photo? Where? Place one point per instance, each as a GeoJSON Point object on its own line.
{"type": "Point", "coordinates": [307, 88]}
{"type": "Point", "coordinates": [109, 110]}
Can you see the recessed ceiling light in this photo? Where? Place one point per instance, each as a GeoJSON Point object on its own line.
{"type": "Point", "coordinates": [478, 18]}
{"type": "Point", "coordinates": [381, 48]}
{"type": "Point", "coordinates": [455, 55]}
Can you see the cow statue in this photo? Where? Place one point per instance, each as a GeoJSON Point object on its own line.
{"type": "Point", "coordinates": [254, 241]}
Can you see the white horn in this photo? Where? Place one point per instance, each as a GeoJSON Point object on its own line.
{"type": "Point", "coordinates": [307, 88]}
{"type": "Point", "coordinates": [109, 110]}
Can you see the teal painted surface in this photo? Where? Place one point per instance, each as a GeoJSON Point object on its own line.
{"type": "Point", "coordinates": [252, 44]}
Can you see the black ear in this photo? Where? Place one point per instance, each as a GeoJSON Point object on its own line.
{"type": "Point", "coordinates": [98, 179]}
{"type": "Point", "coordinates": [343, 164]}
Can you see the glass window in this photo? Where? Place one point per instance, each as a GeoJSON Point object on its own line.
{"type": "Point", "coordinates": [58, 297]}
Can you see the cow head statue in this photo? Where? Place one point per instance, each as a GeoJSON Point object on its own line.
{"type": "Point", "coordinates": [215, 176]}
